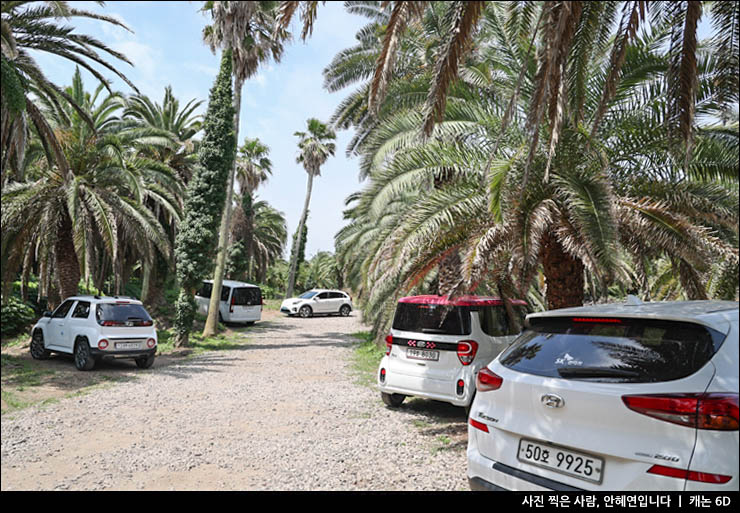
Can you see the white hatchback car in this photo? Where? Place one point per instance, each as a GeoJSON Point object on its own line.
{"type": "Point", "coordinates": [639, 396]}
{"type": "Point", "coordinates": [318, 301]}
{"type": "Point", "coordinates": [436, 346]}
{"type": "Point", "coordinates": [93, 327]}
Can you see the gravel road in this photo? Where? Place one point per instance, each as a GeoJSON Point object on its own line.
{"type": "Point", "coordinates": [283, 412]}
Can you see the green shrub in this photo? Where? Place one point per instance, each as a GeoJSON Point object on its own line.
{"type": "Point", "coordinates": [15, 317]}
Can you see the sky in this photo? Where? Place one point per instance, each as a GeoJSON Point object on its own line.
{"type": "Point", "coordinates": [165, 46]}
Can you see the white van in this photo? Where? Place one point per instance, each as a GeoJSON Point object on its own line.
{"type": "Point", "coordinates": [240, 302]}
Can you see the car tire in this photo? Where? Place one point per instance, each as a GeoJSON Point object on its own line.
{"type": "Point", "coordinates": [345, 310]}
{"type": "Point", "coordinates": [145, 362]}
{"type": "Point", "coordinates": [84, 359]}
{"type": "Point", "coordinates": [392, 400]}
{"type": "Point", "coordinates": [38, 351]}
{"type": "Point", "coordinates": [305, 311]}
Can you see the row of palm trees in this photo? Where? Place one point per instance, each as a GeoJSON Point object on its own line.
{"type": "Point", "coordinates": [93, 182]}
{"type": "Point", "coordinates": [558, 151]}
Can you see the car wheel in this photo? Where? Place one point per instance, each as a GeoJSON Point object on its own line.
{"type": "Point", "coordinates": [393, 400]}
{"type": "Point", "coordinates": [84, 360]}
{"type": "Point", "coordinates": [145, 361]}
{"type": "Point", "coordinates": [38, 351]}
{"type": "Point", "coordinates": [305, 311]}
{"type": "Point", "coordinates": [345, 310]}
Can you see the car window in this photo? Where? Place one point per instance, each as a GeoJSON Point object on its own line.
{"type": "Point", "coordinates": [225, 291]}
{"type": "Point", "coordinates": [438, 319]}
{"type": "Point", "coordinates": [612, 350]}
{"type": "Point", "coordinates": [247, 296]}
{"type": "Point", "coordinates": [205, 290]}
{"type": "Point", "coordinates": [82, 310]}
{"type": "Point", "coordinates": [324, 295]}
{"type": "Point", "coordinates": [494, 320]}
{"type": "Point", "coordinates": [117, 314]}
{"type": "Point", "coordinates": [63, 309]}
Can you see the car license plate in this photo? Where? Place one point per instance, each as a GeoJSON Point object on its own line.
{"type": "Point", "coordinates": [565, 461]}
{"type": "Point", "coordinates": [128, 345]}
{"type": "Point", "coordinates": [422, 354]}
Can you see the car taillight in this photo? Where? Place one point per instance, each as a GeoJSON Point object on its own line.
{"type": "Point", "coordinates": [110, 323]}
{"type": "Point", "coordinates": [150, 343]}
{"type": "Point", "coordinates": [487, 380]}
{"type": "Point", "coordinates": [231, 305]}
{"type": "Point", "coordinates": [466, 350]}
{"type": "Point", "coordinates": [103, 344]}
{"type": "Point", "coordinates": [388, 344]}
{"type": "Point", "coordinates": [703, 477]}
{"type": "Point", "coordinates": [478, 425]}
{"type": "Point", "coordinates": [382, 375]}
{"type": "Point", "coordinates": [717, 411]}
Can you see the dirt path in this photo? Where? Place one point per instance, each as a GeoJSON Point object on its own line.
{"type": "Point", "coordinates": [282, 412]}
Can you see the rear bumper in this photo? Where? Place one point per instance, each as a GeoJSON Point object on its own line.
{"type": "Point", "coordinates": [427, 388]}
{"type": "Point", "coordinates": [137, 353]}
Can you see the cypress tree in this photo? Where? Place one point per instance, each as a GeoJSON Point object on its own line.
{"type": "Point", "coordinates": [197, 239]}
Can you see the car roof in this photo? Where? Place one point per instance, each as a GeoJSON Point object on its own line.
{"type": "Point", "coordinates": [127, 299]}
{"type": "Point", "coordinates": [714, 314]}
{"type": "Point", "coordinates": [233, 283]}
{"type": "Point", "coordinates": [467, 300]}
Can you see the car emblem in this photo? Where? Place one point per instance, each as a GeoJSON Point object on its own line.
{"type": "Point", "coordinates": [552, 401]}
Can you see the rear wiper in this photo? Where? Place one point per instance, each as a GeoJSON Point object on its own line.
{"type": "Point", "coordinates": [596, 372]}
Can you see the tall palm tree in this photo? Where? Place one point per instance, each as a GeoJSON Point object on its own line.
{"type": "Point", "coordinates": [315, 147]}
{"type": "Point", "coordinates": [38, 26]}
{"type": "Point", "coordinates": [248, 28]}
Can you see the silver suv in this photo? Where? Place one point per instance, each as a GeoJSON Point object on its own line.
{"type": "Point", "coordinates": [93, 327]}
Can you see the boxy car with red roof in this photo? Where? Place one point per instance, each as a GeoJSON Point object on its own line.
{"type": "Point", "coordinates": [437, 345]}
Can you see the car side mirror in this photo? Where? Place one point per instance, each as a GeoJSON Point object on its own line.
{"type": "Point", "coordinates": [47, 313]}
{"type": "Point", "coordinates": [315, 299]}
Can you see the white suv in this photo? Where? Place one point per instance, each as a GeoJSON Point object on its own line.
{"type": "Point", "coordinates": [95, 327]}
{"type": "Point", "coordinates": [436, 346]}
{"type": "Point", "coordinates": [318, 301]}
{"type": "Point", "coordinates": [639, 396]}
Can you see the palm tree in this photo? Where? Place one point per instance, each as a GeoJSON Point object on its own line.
{"type": "Point", "coordinates": [248, 29]}
{"type": "Point", "coordinates": [315, 148]}
{"type": "Point", "coordinates": [265, 243]}
{"type": "Point", "coordinates": [93, 215]}
{"type": "Point", "coordinates": [173, 129]}
{"type": "Point", "coordinates": [38, 26]}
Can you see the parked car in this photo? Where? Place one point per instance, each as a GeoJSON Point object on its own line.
{"type": "Point", "coordinates": [437, 345]}
{"type": "Point", "coordinates": [240, 302]}
{"type": "Point", "coordinates": [318, 301]}
{"type": "Point", "coordinates": [93, 327]}
{"type": "Point", "coordinates": [612, 397]}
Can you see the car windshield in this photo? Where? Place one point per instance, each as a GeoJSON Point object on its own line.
{"type": "Point", "coordinates": [308, 295]}
{"type": "Point", "coordinates": [612, 350]}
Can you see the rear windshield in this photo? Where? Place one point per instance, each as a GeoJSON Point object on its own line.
{"type": "Point", "coordinates": [122, 313]}
{"type": "Point", "coordinates": [247, 296]}
{"type": "Point", "coordinates": [612, 350]}
{"type": "Point", "coordinates": [438, 319]}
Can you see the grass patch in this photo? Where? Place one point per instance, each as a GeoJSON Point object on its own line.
{"type": "Point", "coordinates": [20, 373]}
{"type": "Point", "coordinates": [366, 359]}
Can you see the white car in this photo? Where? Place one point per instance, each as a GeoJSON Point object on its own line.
{"type": "Point", "coordinates": [240, 302]}
{"type": "Point", "coordinates": [636, 396]}
{"type": "Point", "coordinates": [318, 301]}
{"type": "Point", "coordinates": [93, 327]}
{"type": "Point", "coordinates": [436, 346]}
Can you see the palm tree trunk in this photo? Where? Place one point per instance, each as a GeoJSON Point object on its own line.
{"type": "Point", "coordinates": [223, 236]}
{"type": "Point", "coordinates": [297, 242]}
{"type": "Point", "coordinates": [563, 275]}
{"type": "Point", "coordinates": [448, 272]}
{"type": "Point", "coordinates": [68, 266]}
